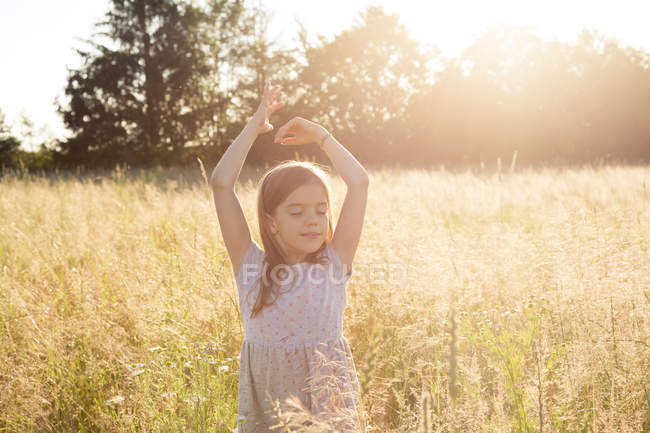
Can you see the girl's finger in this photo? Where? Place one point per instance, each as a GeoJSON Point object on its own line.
{"type": "Point", "coordinates": [288, 140]}
{"type": "Point", "coordinates": [275, 107]}
{"type": "Point", "coordinates": [282, 130]}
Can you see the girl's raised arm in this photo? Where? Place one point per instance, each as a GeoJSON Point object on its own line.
{"type": "Point", "coordinates": [234, 228]}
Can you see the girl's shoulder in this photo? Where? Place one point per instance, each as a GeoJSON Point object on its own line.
{"type": "Point", "coordinates": [339, 271]}
{"type": "Point", "coordinates": [251, 263]}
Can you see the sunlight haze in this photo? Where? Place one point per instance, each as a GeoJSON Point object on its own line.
{"type": "Point", "coordinates": [39, 38]}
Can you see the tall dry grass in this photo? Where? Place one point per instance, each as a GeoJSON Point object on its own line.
{"type": "Point", "coordinates": [525, 308]}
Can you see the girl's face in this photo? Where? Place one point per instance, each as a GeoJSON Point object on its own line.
{"type": "Point", "coordinates": [303, 212]}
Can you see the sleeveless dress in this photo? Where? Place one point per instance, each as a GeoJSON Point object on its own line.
{"type": "Point", "coordinates": [296, 346]}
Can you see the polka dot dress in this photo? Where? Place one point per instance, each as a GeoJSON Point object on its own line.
{"type": "Point", "coordinates": [296, 346]}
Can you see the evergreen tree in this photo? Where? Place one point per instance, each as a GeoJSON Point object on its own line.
{"type": "Point", "coordinates": [150, 84]}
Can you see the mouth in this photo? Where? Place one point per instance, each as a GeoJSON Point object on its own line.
{"type": "Point", "coordinates": [311, 235]}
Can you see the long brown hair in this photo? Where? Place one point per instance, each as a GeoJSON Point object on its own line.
{"type": "Point", "coordinates": [275, 186]}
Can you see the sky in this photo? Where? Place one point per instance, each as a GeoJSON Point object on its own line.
{"type": "Point", "coordinates": [38, 38]}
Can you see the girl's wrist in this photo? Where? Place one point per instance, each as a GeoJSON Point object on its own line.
{"type": "Point", "coordinates": [320, 135]}
{"type": "Point", "coordinates": [255, 123]}
{"type": "Point", "coordinates": [321, 141]}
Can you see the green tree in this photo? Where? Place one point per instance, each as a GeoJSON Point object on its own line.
{"type": "Point", "coordinates": [511, 91]}
{"type": "Point", "coordinates": [150, 84]}
{"type": "Point", "coordinates": [359, 85]}
{"type": "Point", "coordinates": [8, 144]}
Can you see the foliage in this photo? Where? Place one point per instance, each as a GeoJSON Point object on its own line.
{"type": "Point", "coordinates": [152, 87]}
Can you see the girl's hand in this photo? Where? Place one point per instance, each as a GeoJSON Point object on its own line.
{"type": "Point", "coordinates": [267, 108]}
{"type": "Point", "coordinates": [299, 131]}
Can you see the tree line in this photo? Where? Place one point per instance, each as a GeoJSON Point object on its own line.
{"type": "Point", "coordinates": [165, 81]}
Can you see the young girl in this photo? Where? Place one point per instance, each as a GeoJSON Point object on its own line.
{"type": "Point", "coordinates": [292, 293]}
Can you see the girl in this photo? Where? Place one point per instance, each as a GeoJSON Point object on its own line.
{"type": "Point", "coordinates": [292, 293]}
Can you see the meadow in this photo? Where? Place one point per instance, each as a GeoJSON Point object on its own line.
{"type": "Point", "coordinates": [524, 305]}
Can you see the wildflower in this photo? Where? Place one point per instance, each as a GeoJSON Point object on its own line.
{"type": "Point", "coordinates": [156, 348]}
{"type": "Point", "coordinates": [197, 398]}
{"type": "Point", "coordinates": [240, 419]}
{"type": "Point", "coordinates": [188, 364]}
{"type": "Point", "coordinates": [168, 394]}
{"type": "Point", "coordinates": [211, 360]}
{"type": "Point", "coordinates": [136, 372]}
{"type": "Point", "coordinates": [115, 400]}
{"type": "Point", "coordinates": [229, 359]}
{"type": "Point", "coordinates": [135, 365]}
{"type": "Point", "coordinates": [169, 364]}
{"type": "Point", "coordinates": [224, 369]}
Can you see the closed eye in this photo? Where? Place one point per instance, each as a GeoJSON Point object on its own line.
{"type": "Point", "coordinates": [296, 214]}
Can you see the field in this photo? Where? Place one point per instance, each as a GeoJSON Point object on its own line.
{"type": "Point", "coordinates": [524, 305]}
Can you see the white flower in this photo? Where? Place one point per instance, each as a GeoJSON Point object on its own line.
{"type": "Point", "coordinates": [168, 394]}
{"type": "Point", "coordinates": [115, 400]}
{"type": "Point", "coordinates": [197, 398]}
{"type": "Point", "coordinates": [211, 360]}
{"type": "Point", "coordinates": [136, 365]}
{"type": "Point", "coordinates": [224, 369]}
{"type": "Point", "coordinates": [136, 372]}
{"type": "Point", "coordinates": [240, 419]}
{"type": "Point", "coordinates": [153, 349]}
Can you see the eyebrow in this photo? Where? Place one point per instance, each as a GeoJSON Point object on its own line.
{"type": "Point", "coordinates": [302, 204]}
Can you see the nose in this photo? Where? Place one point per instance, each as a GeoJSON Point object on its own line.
{"type": "Point", "coordinates": [313, 219]}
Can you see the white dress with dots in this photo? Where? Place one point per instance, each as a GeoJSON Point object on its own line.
{"type": "Point", "coordinates": [296, 346]}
